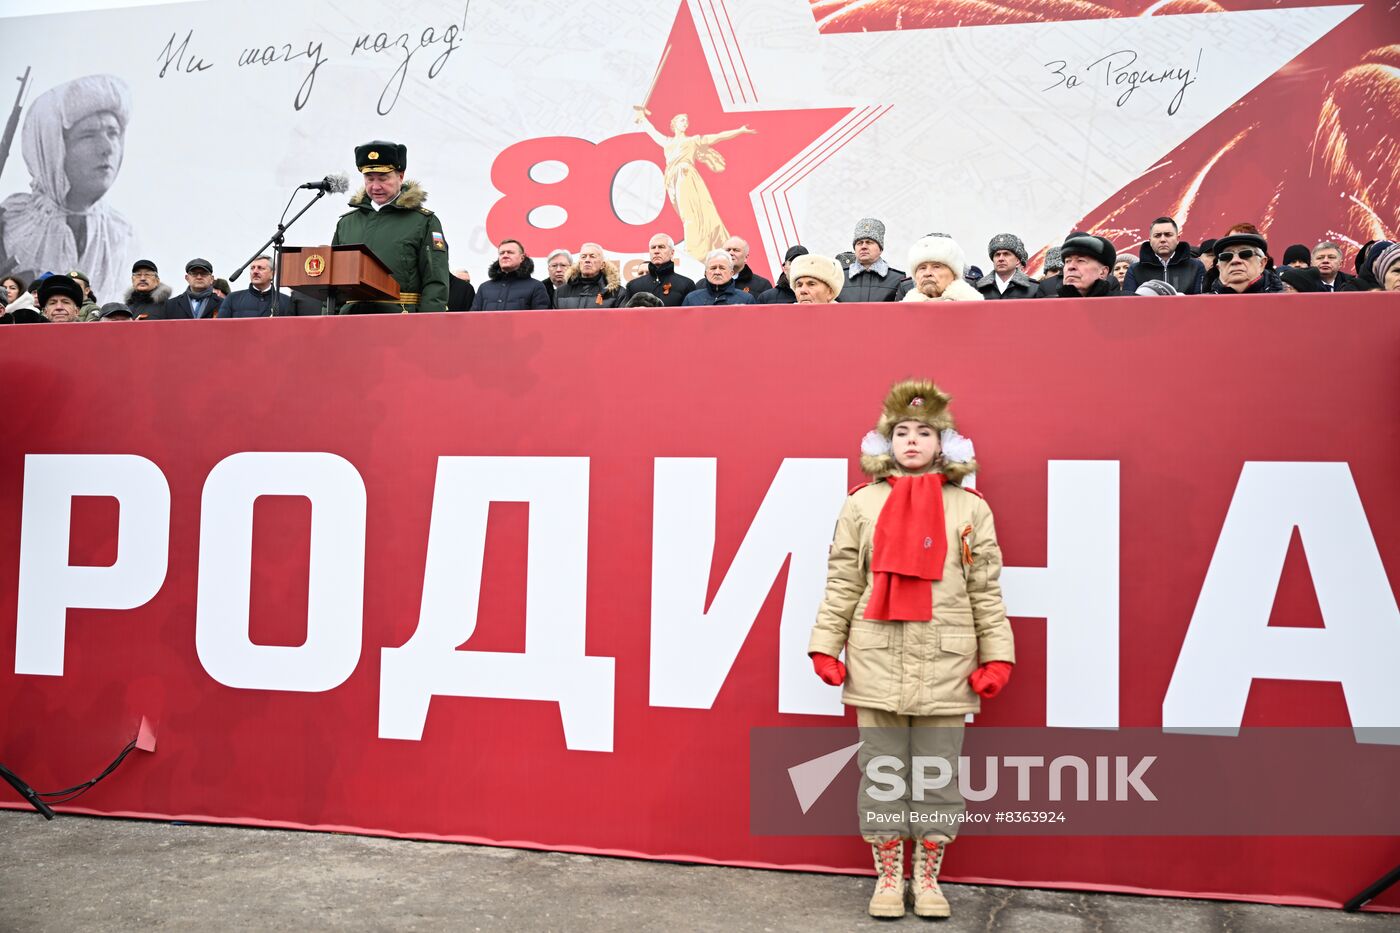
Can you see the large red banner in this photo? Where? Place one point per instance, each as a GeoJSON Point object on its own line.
{"type": "Point", "coordinates": [532, 579]}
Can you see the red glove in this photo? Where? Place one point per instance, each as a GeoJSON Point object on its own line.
{"type": "Point", "coordinates": [988, 679]}
{"type": "Point", "coordinates": [828, 668]}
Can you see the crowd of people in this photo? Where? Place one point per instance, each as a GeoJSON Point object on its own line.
{"type": "Point", "coordinates": [390, 217]}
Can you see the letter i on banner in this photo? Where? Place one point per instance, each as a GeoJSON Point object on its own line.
{"type": "Point", "coordinates": [553, 666]}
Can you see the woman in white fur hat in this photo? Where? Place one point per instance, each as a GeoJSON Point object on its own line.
{"type": "Point", "coordinates": [938, 263]}
{"type": "Point", "coordinates": [913, 598]}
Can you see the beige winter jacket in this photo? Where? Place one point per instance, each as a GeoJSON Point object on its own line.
{"type": "Point", "coordinates": [916, 668]}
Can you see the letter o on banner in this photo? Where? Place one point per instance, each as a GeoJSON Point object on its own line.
{"type": "Point", "coordinates": [335, 594]}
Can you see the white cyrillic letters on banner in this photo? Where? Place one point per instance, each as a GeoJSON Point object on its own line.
{"type": "Point", "coordinates": [336, 587]}
{"type": "Point", "coordinates": [1076, 593]}
{"type": "Point", "coordinates": [48, 585]}
{"type": "Point", "coordinates": [553, 666]}
{"type": "Point", "coordinates": [692, 650]}
{"type": "Point", "coordinates": [1230, 641]}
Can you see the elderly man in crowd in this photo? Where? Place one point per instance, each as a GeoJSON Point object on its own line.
{"type": "Point", "coordinates": [745, 279]}
{"type": "Point", "coordinates": [816, 280]}
{"type": "Point", "coordinates": [938, 263]}
{"type": "Point", "coordinates": [592, 282]}
{"type": "Point", "coordinates": [1088, 268]}
{"type": "Point", "coordinates": [1007, 278]}
{"type": "Point", "coordinates": [198, 299]}
{"type": "Point", "coordinates": [508, 285]}
{"type": "Point", "coordinates": [1242, 258]}
{"type": "Point", "coordinates": [1166, 257]}
{"type": "Point", "coordinates": [60, 297]}
{"type": "Point", "coordinates": [556, 266]}
{"type": "Point", "coordinates": [719, 287]}
{"type": "Point", "coordinates": [661, 278]}
{"type": "Point", "coordinates": [870, 277]}
{"type": "Point", "coordinates": [1327, 260]}
{"type": "Point", "coordinates": [147, 296]}
{"type": "Point", "coordinates": [73, 142]}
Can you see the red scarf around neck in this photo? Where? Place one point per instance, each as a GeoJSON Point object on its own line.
{"type": "Point", "coordinates": [909, 548]}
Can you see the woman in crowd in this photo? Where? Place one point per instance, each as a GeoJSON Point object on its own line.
{"type": "Point", "coordinates": [913, 597]}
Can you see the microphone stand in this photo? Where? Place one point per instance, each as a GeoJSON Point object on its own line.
{"type": "Point", "coordinates": [276, 241]}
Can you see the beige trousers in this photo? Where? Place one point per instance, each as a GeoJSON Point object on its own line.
{"type": "Point", "coordinates": [900, 739]}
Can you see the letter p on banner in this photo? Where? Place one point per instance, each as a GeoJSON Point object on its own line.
{"type": "Point", "coordinates": [48, 585]}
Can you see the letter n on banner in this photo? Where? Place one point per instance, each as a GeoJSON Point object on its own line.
{"type": "Point", "coordinates": [553, 666]}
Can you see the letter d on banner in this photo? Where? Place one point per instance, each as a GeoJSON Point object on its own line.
{"type": "Point", "coordinates": [48, 585]}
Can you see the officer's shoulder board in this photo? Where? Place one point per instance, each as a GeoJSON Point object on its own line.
{"type": "Point", "coordinates": [974, 492]}
{"type": "Point", "coordinates": [424, 210]}
{"type": "Point", "coordinates": [857, 488]}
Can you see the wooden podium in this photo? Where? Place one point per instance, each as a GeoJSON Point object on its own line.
{"type": "Point", "coordinates": [338, 273]}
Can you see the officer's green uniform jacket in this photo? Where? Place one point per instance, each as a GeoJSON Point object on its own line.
{"type": "Point", "coordinates": [407, 237]}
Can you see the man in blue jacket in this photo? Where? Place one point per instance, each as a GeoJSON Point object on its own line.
{"type": "Point", "coordinates": [259, 299]}
{"type": "Point", "coordinates": [719, 287]}
{"type": "Point", "coordinates": [509, 286]}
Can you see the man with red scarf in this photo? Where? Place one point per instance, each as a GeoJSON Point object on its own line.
{"type": "Point", "coordinates": [913, 596]}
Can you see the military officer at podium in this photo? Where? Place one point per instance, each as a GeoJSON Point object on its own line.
{"type": "Point", "coordinates": [388, 216]}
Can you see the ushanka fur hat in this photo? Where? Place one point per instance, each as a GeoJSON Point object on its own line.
{"type": "Point", "coordinates": [821, 268]}
{"type": "Point", "coordinates": [940, 249]}
{"type": "Point", "coordinates": [922, 401]}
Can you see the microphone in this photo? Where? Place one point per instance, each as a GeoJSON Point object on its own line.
{"type": "Point", "coordinates": [332, 184]}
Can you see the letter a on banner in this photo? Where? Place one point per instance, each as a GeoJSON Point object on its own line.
{"type": "Point", "coordinates": [553, 666]}
{"type": "Point", "coordinates": [692, 650]}
{"type": "Point", "coordinates": [48, 586]}
{"type": "Point", "coordinates": [1230, 641]}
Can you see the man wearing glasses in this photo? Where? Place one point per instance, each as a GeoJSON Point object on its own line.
{"type": "Point", "coordinates": [198, 300]}
{"type": "Point", "coordinates": [1241, 260]}
{"type": "Point", "coordinates": [147, 296]}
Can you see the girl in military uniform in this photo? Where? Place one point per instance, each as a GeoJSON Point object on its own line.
{"type": "Point", "coordinates": [913, 598]}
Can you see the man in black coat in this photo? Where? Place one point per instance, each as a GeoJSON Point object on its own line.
{"type": "Point", "coordinates": [198, 299]}
{"type": "Point", "coordinates": [509, 286]}
{"type": "Point", "coordinates": [1327, 259]}
{"type": "Point", "coordinates": [1088, 269]}
{"type": "Point", "coordinates": [148, 295]}
{"type": "Point", "coordinates": [1008, 277]}
{"type": "Point", "coordinates": [782, 293]}
{"type": "Point", "coordinates": [1166, 257]}
{"type": "Point", "coordinates": [869, 277]}
{"type": "Point", "coordinates": [661, 278]}
{"type": "Point", "coordinates": [745, 279]}
{"type": "Point", "coordinates": [1242, 259]}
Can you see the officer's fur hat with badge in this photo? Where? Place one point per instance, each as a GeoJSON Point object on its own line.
{"type": "Point", "coordinates": [917, 400]}
{"type": "Point", "coordinates": [380, 155]}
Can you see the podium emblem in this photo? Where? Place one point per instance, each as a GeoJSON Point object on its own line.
{"type": "Point", "coordinates": [315, 264]}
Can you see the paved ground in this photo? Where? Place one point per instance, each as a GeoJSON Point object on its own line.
{"type": "Point", "coordinates": [79, 874]}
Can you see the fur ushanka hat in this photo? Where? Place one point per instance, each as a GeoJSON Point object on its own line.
{"type": "Point", "coordinates": [917, 400]}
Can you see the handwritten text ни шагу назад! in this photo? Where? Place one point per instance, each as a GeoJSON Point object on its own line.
{"type": "Point", "coordinates": [178, 58]}
{"type": "Point", "coordinates": [1117, 70]}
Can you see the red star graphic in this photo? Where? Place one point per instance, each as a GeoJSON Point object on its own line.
{"type": "Point", "coordinates": [684, 84]}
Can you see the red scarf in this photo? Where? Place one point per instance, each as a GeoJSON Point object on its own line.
{"type": "Point", "coordinates": [910, 546]}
